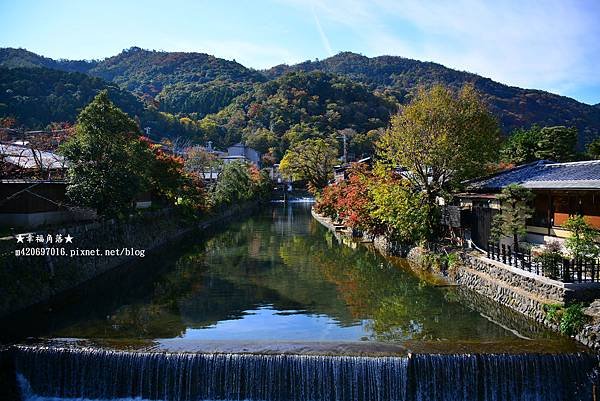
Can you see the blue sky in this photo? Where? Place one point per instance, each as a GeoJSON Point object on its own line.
{"type": "Point", "coordinates": [552, 45]}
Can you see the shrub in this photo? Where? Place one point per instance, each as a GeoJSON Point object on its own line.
{"type": "Point", "coordinates": [570, 319]}
{"type": "Point", "coordinates": [397, 206]}
{"type": "Point", "coordinates": [356, 204]}
{"type": "Point", "coordinates": [327, 203]}
{"type": "Point", "coordinates": [551, 259]}
{"type": "Point", "coordinates": [582, 243]}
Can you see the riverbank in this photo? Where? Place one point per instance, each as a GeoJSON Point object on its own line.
{"type": "Point", "coordinates": [521, 291]}
{"type": "Point", "coordinates": [29, 280]}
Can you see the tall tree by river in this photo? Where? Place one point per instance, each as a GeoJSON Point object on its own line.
{"type": "Point", "coordinates": [441, 138]}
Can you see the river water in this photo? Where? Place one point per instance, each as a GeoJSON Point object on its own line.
{"type": "Point", "coordinates": [273, 307]}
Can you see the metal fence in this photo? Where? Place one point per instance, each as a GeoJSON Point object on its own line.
{"type": "Point", "coordinates": [551, 265]}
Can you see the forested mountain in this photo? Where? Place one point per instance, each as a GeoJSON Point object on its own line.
{"type": "Point", "coordinates": [301, 105]}
{"type": "Point", "coordinates": [237, 101]}
{"type": "Point", "coordinates": [36, 97]}
{"type": "Point", "coordinates": [515, 107]}
{"type": "Point", "coordinates": [193, 83]}
{"type": "Point", "coordinates": [15, 58]}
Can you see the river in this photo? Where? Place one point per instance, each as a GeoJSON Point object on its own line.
{"type": "Point", "coordinates": [274, 307]}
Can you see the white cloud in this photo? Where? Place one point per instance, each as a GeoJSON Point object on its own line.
{"type": "Point", "coordinates": [322, 34]}
{"type": "Point", "coordinates": [548, 45]}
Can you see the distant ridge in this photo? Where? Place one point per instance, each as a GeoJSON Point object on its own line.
{"type": "Point", "coordinates": [198, 84]}
{"type": "Point", "coordinates": [515, 107]}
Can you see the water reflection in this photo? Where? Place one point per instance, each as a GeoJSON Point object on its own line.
{"type": "Point", "coordinates": [276, 276]}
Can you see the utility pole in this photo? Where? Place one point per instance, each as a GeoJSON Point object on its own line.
{"type": "Point", "coordinates": [345, 149]}
{"type": "Point", "coordinates": [344, 136]}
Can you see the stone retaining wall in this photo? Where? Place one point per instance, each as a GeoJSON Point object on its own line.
{"type": "Point", "coordinates": [28, 280]}
{"type": "Point", "coordinates": [546, 290]}
{"type": "Point", "coordinates": [503, 292]}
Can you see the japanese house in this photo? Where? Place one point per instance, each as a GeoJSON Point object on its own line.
{"type": "Point", "coordinates": [561, 190]}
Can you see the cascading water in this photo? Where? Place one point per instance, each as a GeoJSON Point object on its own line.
{"type": "Point", "coordinates": [58, 373]}
{"type": "Point", "coordinates": [102, 374]}
{"type": "Point", "coordinates": [492, 377]}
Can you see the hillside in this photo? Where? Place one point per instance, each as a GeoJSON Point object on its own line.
{"type": "Point", "coordinates": [300, 105]}
{"type": "Point", "coordinates": [36, 97]}
{"type": "Point", "coordinates": [515, 107]}
{"type": "Point", "coordinates": [196, 85]}
{"type": "Point", "coordinates": [192, 83]}
{"type": "Point", "coordinates": [16, 58]}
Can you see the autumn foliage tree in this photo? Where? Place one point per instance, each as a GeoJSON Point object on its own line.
{"type": "Point", "coordinates": [355, 207]}
{"type": "Point", "coordinates": [109, 164]}
{"type": "Point", "coordinates": [167, 179]}
{"type": "Point", "coordinates": [311, 160]}
{"type": "Point", "coordinates": [441, 138]}
{"type": "Point", "coordinates": [376, 203]}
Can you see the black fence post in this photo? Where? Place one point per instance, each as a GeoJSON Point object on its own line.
{"type": "Point", "coordinates": [503, 253]}
{"type": "Point", "coordinates": [565, 270]}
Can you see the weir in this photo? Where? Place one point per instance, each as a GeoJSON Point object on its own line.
{"type": "Point", "coordinates": [101, 374]}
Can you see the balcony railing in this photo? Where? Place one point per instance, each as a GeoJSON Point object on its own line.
{"type": "Point", "coordinates": [554, 267]}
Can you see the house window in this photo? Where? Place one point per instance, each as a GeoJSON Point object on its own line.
{"type": "Point", "coordinates": [590, 208]}
{"type": "Point", "coordinates": [583, 204]}
{"type": "Point", "coordinates": [541, 203]}
{"type": "Point", "coordinates": [562, 209]}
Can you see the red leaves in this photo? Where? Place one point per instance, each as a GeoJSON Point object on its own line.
{"type": "Point", "coordinates": [350, 201]}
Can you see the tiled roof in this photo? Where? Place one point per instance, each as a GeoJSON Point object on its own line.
{"type": "Point", "coordinates": [24, 157]}
{"type": "Point", "coordinates": [544, 174]}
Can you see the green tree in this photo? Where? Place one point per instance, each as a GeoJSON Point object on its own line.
{"type": "Point", "coordinates": [515, 210]}
{"type": "Point", "coordinates": [521, 146]}
{"type": "Point", "coordinates": [404, 211]}
{"type": "Point", "coordinates": [235, 184]}
{"type": "Point", "coordinates": [557, 144]}
{"type": "Point", "coordinates": [583, 240]}
{"type": "Point", "coordinates": [311, 160]}
{"type": "Point", "coordinates": [262, 140]}
{"type": "Point", "coordinates": [363, 144]}
{"type": "Point", "coordinates": [106, 159]}
{"type": "Point", "coordinates": [441, 138]}
{"type": "Point", "coordinates": [593, 149]}
{"type": "Point", "coordinates": [298, 133]}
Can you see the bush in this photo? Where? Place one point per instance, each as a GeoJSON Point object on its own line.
{"type": "Point", "coordinates": [570, 319]}
{"type": "Point", "coordinates": [551, 260]}
{"type": "Point", "coordinates": [582, 242]}
{"type": "Point", "coordinates": [327, 203]}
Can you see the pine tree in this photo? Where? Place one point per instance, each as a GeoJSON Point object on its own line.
{"type": "Point", "coordinates": [515, 210]}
